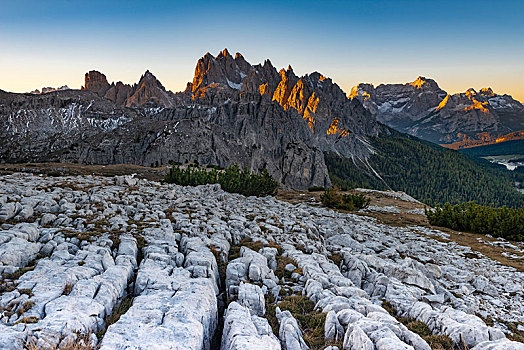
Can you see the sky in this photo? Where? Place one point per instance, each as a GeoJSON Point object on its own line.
{"type": "Point", "coordinates": [460, 44]}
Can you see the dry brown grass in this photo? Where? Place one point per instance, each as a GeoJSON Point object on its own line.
{"type": "Point", "coordinates": [80, 342]}
{"type": "Point", "coordinates": [234, 251]}
{"type": "Point", "coordinates": [337, 258]}
{"type": "Point", "coordinates": [30, 319]}
{"type": "Point", "coordinates": [26, 291]}
{"type": "Point", "coordinates": [281, 271]}
{"type": "Point", "coordinates": [62, 169]}
{"type": "Point", "coordinates": [311, 322]}
{"type": "Point", "coordinates": [25, 307]}
{"type": "Point", "coordinates": [118, 311]}
{"type": "Point", "coordinates": [436, 342]}
{"type": "Point", "coordinates": [67, 288]}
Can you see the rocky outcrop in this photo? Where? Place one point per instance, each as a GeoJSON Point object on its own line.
{"type": "Point", "coordinates": [149, 91]}
{"type": "Point", "coordinates": [96, 82]}
{"type": "Point", "coordinates": [46, 90]}
{"type": "Point", "coordinates": [422, 109]}
{"type": "Point", "coordinates": [35, 126]}
{"type": "Point", "coordinates": [119, 93]}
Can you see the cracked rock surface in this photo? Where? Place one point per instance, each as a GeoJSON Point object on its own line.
{"type": "Point", "coordinates": [126, 263]}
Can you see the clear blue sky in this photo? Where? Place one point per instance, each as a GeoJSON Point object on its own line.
{"type": "Point", "coordinates": [460, 44]}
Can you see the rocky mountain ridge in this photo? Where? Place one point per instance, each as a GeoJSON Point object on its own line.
{"type": "Point", "coordinates": [232, 112]}
{"type": "Point", "coordinates": [148, 90]}
{"type": "Point", "coordinates": [422, 109]}
{"type": "Point", "coordinates": [46, 90]}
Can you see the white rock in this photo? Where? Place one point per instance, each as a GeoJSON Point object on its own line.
{"type": "Point", "coordinates": [241, 333]}
{"type": "Point", "coordinates": [333, 330]}
{"type": "Point", "coordinates": [289, 332]}
{"type": "Point", "coordinates": [501, 344]}
{"type": "Point", "coordinates": [356, 339]}
{"type": "Point", "coordinates": [251, 296]}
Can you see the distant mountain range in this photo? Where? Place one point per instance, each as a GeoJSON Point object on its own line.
{"type": "Point", "coordinates": [422, 109]}
{"type": "Point", "coordinates": [419, 108]}
{"type": "Point", "coordinates": [303, 130]}
{"type": "Point", "coordinates": [232, 112]}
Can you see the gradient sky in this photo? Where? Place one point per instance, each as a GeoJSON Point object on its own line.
{"type": "Point", "coordinates": [460, 44]}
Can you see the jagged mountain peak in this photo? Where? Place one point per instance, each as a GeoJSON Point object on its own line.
{"type": "Point", "coordinates": [224, 53]}
{"type": "Point", "coordinates": [147, 90]}
{"type": "Point", "coordinates": [362, 91]}
{"type": "Point", "coordinates": [488, 92]}
{"type": "Point", "coordinates": [424, 83]}
{"type": "Point", "coordinates": [150, 90]}
{"type": "Point", "coordinates": [287, 73]}
{"type": "Point", "coordinates": [46, 90]}
{"type": "Point", "coordinates": [471, 92]}
{"type": "Point", "coordinates": [224, 71]}
{"type": "Point", "coordinates": [148, 77]}
{"type": "Point", "coordinates": [317, 76]}
{"type": "Point", "coordinates": [267, 63]}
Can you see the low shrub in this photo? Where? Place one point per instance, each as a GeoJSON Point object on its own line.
{"type": "Point", "coordinates": [232, 179]}
{"type": "Point", "coordinates": [471, 217]}
{"type": "Point", "coordinates": [332, 199]}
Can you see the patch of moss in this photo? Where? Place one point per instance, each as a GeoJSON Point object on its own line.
{"type": "Point", "coordinates": [487, 320]}
{"type": "Point", "coordinates": [16, 275]}
{"type": "Point", "coordinates": [439, 342]}
{"type": "Point", "coordinates": [234, 250]}
{"type": "Point", "coordinates": [273, 244]}
{"type": "Point", "coordinates": [516, 334]}
{"type": "Point", "coordinates": [420, 328]}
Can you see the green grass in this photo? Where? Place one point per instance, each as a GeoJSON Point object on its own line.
{"type": "Point", "coordinates": [311, 322]}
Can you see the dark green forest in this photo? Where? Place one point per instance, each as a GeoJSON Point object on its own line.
{"type": "Point", "coordinates": [499, 222]}
{"type": "Point", "coordinates": [497, 149]}
{"type": "Point", "coordinates": [427, 172]}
